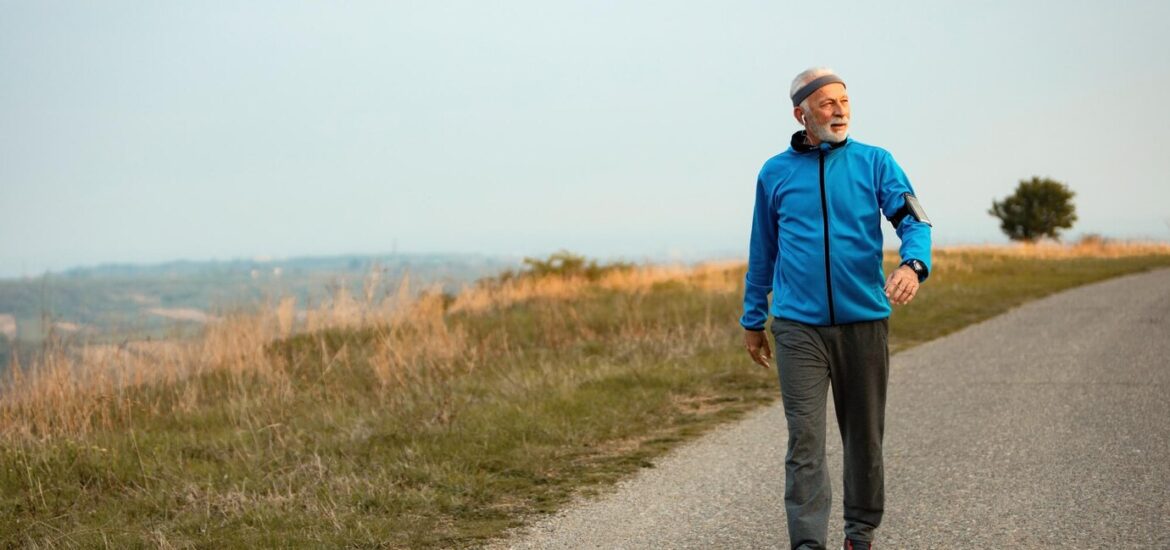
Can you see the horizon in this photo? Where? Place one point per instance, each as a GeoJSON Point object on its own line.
{"type": "Point", "coordinates": [661, 259]}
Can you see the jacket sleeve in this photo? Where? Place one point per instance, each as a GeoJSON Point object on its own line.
{"type": "Point", "coordinates": [761, 260]}
{"type": "Point", "coordinates": [915, 235]}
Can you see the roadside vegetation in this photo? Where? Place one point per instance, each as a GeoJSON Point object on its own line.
{"type": "Point", "coordinates": [416, 419]}
{"type": "Point", "coordinates": [114, 303]}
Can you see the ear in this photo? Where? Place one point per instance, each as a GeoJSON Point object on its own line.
{"type": "Point", "coordinates": [798, 114]}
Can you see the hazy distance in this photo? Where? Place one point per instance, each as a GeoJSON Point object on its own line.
{"type": "Point", "coordinates": [150, 132]}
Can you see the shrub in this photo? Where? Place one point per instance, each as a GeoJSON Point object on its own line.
{"type": "Point", "coordinates": [1038, 208]}
{"type": "Point", "coordinates": [565, 265]}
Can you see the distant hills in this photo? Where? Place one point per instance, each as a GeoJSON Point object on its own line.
{"type": "Point", "coordinates": [123, 301]}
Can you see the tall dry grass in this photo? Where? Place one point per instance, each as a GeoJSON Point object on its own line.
{"type": "Point", "coordinates": [707, 276]}
{"type": "Point", "coordinates": [967, 258]}
{"type": "Point", "coordinates": [74, 390]}
{"type": "Point", "coordinates": [1090, 246]}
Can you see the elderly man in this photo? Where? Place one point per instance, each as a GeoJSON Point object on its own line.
{"type": "Point", "coordinates": [816, 247]}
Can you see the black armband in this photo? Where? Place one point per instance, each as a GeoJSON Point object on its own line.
{"type": "Point", "coordinates": [909, 208]}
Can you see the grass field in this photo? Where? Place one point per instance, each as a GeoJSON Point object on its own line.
{"type": "Point", "coordinates": [423, 420]}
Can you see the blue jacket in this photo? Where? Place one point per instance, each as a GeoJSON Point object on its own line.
{"type": "Point", "coordinates": [816, 241]}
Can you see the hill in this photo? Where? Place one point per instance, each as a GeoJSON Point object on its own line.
{"type": "Point", "coordinates": [120, 302]}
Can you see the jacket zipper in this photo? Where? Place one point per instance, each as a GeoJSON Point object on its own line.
{"type": "Point", "coordinates": [825, 215]}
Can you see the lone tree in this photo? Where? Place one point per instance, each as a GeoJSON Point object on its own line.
{"type": "Point", "coordinates": [1039, 208]}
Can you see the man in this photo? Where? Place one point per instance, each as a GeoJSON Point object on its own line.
{"type": "Point", "coordinates": [816, 246]}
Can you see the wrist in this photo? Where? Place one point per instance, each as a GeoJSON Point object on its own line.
{"type": "Point", "coordinates": [917, 266]}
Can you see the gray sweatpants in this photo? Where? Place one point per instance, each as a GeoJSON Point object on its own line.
{"type": "Point", "coordinates": [853, 359]}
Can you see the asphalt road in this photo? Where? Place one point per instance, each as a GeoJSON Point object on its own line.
{"type": "Point", "coordinates": [1048, 426]}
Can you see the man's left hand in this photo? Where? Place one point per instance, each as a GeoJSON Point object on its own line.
{"type": "Point", "coordinates": [902, 285]}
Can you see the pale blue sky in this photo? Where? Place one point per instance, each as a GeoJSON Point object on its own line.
{"type": "Point", "coordinates": [151, 131]}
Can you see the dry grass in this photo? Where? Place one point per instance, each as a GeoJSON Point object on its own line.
{"type": "Point", "coordinates": [1088, 247]}
{"type": "Point", "coordinates": [968, 258]}
{"type": "Point", "coordinates": [708, 277]}
{"type": "Point", "coordinates": [74, 390]}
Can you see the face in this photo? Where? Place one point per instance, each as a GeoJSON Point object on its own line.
{"type": "Point", "coordinates": [827, 118]}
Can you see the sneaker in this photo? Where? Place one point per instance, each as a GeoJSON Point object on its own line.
{"type": "Point", "coordinates": [857, 545]}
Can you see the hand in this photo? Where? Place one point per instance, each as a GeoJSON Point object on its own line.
{"type": "Point", "coordinates": [902, 285]}
{"type": "Point", "coordinates": [757, 347]}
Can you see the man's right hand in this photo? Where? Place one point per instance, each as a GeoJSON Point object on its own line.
{"type": "Point", "coordinates": [757, 347]}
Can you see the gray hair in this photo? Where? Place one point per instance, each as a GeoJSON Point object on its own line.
{"type": "Point", "coordinates": [806, 76]}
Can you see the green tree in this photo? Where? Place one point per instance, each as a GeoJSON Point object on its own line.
{"type": "Point", "coordinates": [1039, 208]}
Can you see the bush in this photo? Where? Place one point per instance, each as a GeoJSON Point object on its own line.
{"type": "Point", "coordinates": [1039, 208]}
{"type": "Point", "coordinates": [566, 265]}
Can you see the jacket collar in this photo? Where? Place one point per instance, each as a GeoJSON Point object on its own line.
{"type": "Point", "coordinates": [800, 146]}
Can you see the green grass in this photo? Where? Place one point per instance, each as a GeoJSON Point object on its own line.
{"type": "Point", "coordinates": [550, 399]}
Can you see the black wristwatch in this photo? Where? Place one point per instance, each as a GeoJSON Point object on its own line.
{"type": "Point", "coordinates": [918, 267]}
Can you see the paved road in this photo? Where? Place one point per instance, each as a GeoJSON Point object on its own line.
{"type": "Point", "coordinates": [1049, 425]}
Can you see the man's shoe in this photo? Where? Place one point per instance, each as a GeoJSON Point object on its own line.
{"type": "Point", "coordinates": [857, 545]}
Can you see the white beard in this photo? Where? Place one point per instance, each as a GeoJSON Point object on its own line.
{"type": "Point", "coordinates": [825, 133]}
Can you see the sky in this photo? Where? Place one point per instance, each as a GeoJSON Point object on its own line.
{"type": "Point", "coordinates": [143, 132]}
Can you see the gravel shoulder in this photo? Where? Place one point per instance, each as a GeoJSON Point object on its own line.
{"type": "Point", "coordinates": [1049, 424]}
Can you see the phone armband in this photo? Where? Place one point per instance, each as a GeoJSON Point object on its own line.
{"type": "Point", "coordinates": [910, 207]}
